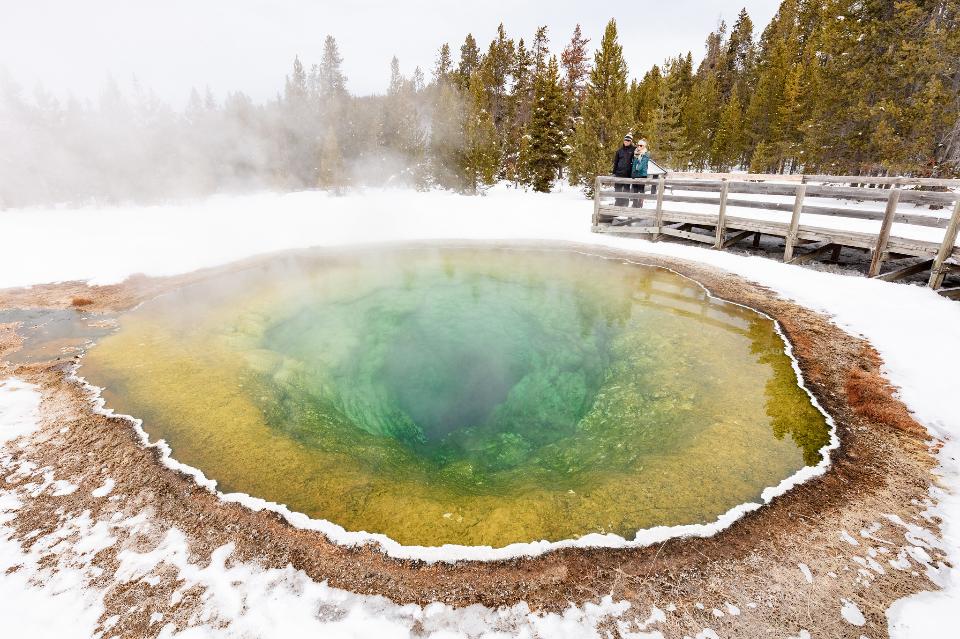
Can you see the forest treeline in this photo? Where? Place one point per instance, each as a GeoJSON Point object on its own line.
{"type": "Point", "coordinates": [829, 86]}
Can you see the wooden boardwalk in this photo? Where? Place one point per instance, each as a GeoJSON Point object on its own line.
{"type": "Point", "coordinates": [780, 206]}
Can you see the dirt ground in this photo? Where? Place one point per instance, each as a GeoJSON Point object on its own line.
{"type": "Point", "coordinates": [881, 468]}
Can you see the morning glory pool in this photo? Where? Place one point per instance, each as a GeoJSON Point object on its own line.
{"type": "Point", "coordinates": [466, 395]}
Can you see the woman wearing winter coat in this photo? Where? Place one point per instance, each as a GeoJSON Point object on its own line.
{"type": "Point", "coordinates": [638, 169]}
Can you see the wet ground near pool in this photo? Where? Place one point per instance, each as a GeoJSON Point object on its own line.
{"type": "Point", "coordinates": [471, 396]}
{"type": "Point", "coordinates": [53, 333]}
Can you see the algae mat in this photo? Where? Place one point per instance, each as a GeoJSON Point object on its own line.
{"type": "Point", "coordinates": [467, 396]}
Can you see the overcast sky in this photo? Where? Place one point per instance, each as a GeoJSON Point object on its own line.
{"type": "Point", "coordinates": [249, 45]}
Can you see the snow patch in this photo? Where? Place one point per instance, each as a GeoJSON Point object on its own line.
{"type": "Point", "coordinates": [19, 409]}
{"type": "Point", "coordinates": [851, 613]}
{"type": "Point", "coordinates": [847, 537]}
{"type": "Point", "coordinates": [104, 490]}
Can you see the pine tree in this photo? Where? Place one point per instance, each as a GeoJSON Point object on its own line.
{"type": "Point", "coordinates": [547, 132]}
{"type": "Point", "coordinates": [495, 71]}
{"type": "Point", "coordinates": [540, 49]}
{"type": "Point", "coordinates": [520, 101]}
{"type": "Point", "coordinates": [297, 148]}
{"type": "Point", "coordinates": [737, 62]}
{"type": "Point", "coordinates": [605, 115]}
{"type": "Point", "coordinates": [447, 121]}
{"type": "Point", "coordinates": [481, 146]}
{"type": "Point", "coordinates": [333, 83]}
{"type": "Point", "coordinates": [332, 98]}
{"type": "Point", "coordinates": [773, 68]}
{"type": "Point", "coordinates": [699, 117]}
{"type": "Point", "coordinates": [443, 65]}
{"type": "Point", "coordinates": [729, 140]}
{"type": "Point", "coordinates": [402, 130]}
{"type": "Point", "coordinates": [644, 96]}
{"type": "Point", "coordinates": [576, 67]}
{"type": "Point", "coordinates": [469, 61]}
{"type": "Point", "coordinates": [663, 128]}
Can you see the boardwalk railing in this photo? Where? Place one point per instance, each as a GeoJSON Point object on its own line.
{"type": "Point", "coordinates": [805, 211]}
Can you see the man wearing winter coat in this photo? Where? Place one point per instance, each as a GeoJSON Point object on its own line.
{"type": "Point", "coordinates": [622, 164]}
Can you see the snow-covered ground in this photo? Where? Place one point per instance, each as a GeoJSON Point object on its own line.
{"type": "Point", "coordinates": [916, 331]}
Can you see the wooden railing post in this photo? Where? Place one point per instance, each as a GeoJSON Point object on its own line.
{"type": "Point", "coordinates": [596, 205]}
{"type": "Point", "coordinates": [876, 261]}
{"type": "Point", "coordinates": [659, 214]}
{"type": "Point", "coordinates": [938, 272]}
{"type": "Point", "coordinates": [722, 215]}
{"type": "Point", "coordinates": [794, 223]}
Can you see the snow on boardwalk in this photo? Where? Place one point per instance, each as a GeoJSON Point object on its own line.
{"type": "Point", "coordinates": [916, 331]}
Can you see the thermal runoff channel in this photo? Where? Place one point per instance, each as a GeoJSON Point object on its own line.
{"type": "Point", "coordinates": [467, 396]}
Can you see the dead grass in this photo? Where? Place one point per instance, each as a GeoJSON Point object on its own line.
{"type": "Point", "coordinates": [872, 397]}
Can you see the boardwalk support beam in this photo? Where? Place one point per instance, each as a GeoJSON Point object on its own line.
{"type": "Point", "coordinates": [791, 239]}
{"type": "Point", "coordinates": [596, 203]}
{"type": "Point", "coordinates": [938, 271]}
{"type": "Point", "coordinates": [881, 247]}
{"type": "Point", "coordinates": [722, 215]}
{"type": "Point", "coordinates": [661, 183]}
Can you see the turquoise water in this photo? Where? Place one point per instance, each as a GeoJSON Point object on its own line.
{"type": "Point", "coordinates": [467, 396]}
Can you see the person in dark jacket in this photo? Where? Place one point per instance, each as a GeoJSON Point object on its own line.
{"type": "Point", "coordinates": [622, 165]}
{"type": "Point", "coordinates": [638, 169]}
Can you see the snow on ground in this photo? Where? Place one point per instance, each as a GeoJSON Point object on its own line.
{"type": "Point", "coordinates": [916, 331]}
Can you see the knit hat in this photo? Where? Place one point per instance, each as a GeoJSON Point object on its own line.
{"type": "Point", "coordinates": [628, 136]}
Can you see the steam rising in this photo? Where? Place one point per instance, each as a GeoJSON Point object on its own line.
{"type": "Point", "coordinates": [129, 145]}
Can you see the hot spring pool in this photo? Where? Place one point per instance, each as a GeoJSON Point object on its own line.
{"type": "Point", "coordinates": [466, 396]}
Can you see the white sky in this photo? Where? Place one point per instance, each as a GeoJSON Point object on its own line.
{"type": "Point", "coordinates": [249, 45]}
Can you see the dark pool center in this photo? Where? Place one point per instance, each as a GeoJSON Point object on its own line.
{"type": "Point", "coordinates": [479, 396]}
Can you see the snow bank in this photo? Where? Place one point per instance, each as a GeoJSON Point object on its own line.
{"type": "Point", "coordinates": [916, 331]}
{"type": "Point", "coordinates": [19, 409]}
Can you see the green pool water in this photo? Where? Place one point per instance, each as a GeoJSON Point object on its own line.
{"type": "Point", "coordinates": [468, 396]}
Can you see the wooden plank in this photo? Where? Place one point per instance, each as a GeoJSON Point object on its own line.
{"type": "Point", "coordinates": [951, 293]}
{"type": "Point", "coordinates": [609, 179]}
{"type": "Point", "coordinates": [688, 235]}
{"type": "Point", "coordinates": [762, 188]}
{"type": "Point", "coordinates": [779, 229]}
{"type": "Point", "coordinates": [937, 272]}
{"type": "Point", "coordinates": [596, 202]}
{"type": "Point", "coordinates": [610, 209]}
{"type": "Point", "coordinates": [794, 223]}
{"type": "Point", "coordinates": [866, 179]}
{"type": "Point", "coordinates": [860, 214]}
{"type": "Point", "coordinates": [637, 230]}
{"type": "Point", "coordinates": [721, 216]}
{"type": "Point", "coordinates": [659, 210]}
{"type": "Point", "coordinates": [884, 236]}
{"type": "Point", "coordinates": [845, 238]}
{"type": "Point", "coordinates": [880, 195]}
{"type": "Point", "coordinates": [912, 247]}
{"type": "Point", "coordinates": [743, 177]}
{"type": "Point", "coordinates": [733, 239]}
{"type": "Point", "coordinates": [907, 271]}
{"type": "Point", "coordinates": [817, 252]}
{"type": "Point", "coordinates": [687, 217]}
